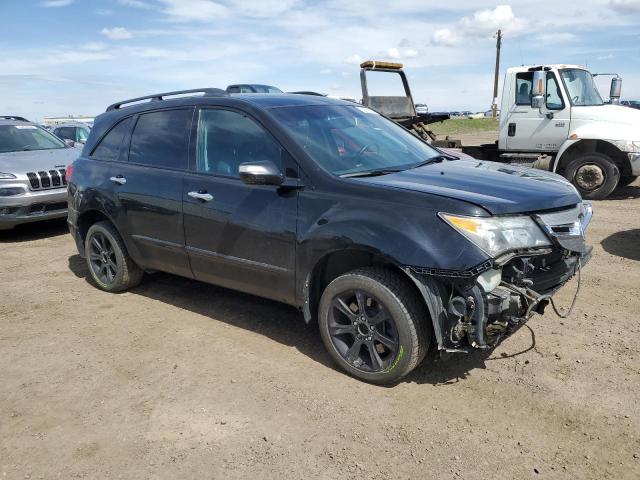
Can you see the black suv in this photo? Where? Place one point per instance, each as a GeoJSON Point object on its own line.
{"type": "Point", "coordinates": [393, 246]}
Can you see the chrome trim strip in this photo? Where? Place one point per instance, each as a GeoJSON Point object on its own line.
{"type": "Point", "coordinates": [236, 260]}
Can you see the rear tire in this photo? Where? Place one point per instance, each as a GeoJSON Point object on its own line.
{"type": "Point", "coordinates": [373, 324]}
{"type": "Point", "coordinates": [595, 175]}
{"type": "Point", "coordinates": [110, 266]}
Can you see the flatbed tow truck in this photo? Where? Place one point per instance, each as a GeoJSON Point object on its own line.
{"type": "Point", "coordinates": [552, 118]}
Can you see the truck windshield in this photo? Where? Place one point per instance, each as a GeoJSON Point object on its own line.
{"type": "Point", "coordinates": [581, 88]}
{"type": "Point", "coordinates": [16, 138]}
{"type": "Point", "coordinates": [346, 140]}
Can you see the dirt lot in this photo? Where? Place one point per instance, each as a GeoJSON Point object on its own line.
{"type": "Point", "coordinates": [179, 379]}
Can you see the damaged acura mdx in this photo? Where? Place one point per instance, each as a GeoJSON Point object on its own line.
{"type": "Point", "coordinates": [392, 246]}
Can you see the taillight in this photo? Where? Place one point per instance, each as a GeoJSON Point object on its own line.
{"type": "Point", "coordinates": [69, 173]}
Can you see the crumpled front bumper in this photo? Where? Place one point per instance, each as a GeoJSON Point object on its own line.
{"type": "Point", "coordinates": [479, 307]}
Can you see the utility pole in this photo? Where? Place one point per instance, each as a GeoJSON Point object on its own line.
{"type": "Point", "coordinates": [494, 106]}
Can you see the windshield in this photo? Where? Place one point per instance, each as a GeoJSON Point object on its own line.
{"type": "Point", "coordinates": [581, 88]}
{"type": "Point", "coordinates": [16, 138]}
{"type": "Point", "coordinates": [350, 139]}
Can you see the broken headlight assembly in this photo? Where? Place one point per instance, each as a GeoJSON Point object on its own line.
{"type": "Point", "coordinates": [498, 235]}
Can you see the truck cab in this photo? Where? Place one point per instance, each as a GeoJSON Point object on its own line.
{"type": "Point", "coordinates": [554, 117]}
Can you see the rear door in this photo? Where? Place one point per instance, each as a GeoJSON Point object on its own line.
{"type": "Point", "coordinates": [149, 189]}
{"type": "Point", "coordinates": [530, 130]}
{"type": "Point", "coordinates": [237, 235]}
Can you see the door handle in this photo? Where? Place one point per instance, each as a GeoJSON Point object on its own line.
{"type": "Point", "coordinates": [201, 195]}
{"type": "Point", "coordinates": [512, 130]}
{"type": "Point", "coordinates": [119, 179]}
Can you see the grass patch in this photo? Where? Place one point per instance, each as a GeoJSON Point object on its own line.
{"type": "Point", "coordinates": [465, 125]}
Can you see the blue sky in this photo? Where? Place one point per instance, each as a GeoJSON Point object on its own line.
{"type": "Point", "coordinates": [61, 57]}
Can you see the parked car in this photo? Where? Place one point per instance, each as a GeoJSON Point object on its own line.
{"type": "Point", "coordinates": [421, 109]}
{"type": "Point", "coordinates": [252, 88]}
{"type": "Point", "coordinates": [631, 103]}
{"type": "Point", "coordinates": [33, 166]}
{"type": "Point", "coordinates": [393, 246]}
{"type": "Point", "coordinates": [76, 132]}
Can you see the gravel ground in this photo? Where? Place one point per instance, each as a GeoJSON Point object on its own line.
{"type": "Point", "coordinates": [179, 379]}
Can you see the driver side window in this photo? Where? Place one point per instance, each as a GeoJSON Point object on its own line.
{"type": "Point", "coordinates": [226, 139]}
{"type": "Point", "coordinates": [554, 96]}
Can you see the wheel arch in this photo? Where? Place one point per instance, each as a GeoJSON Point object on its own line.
{"type": "Point", "coordinates": [338, 262]}
{"type": "Point", "coordinates": [84, 222]}
{"type": "Point", "coordinates": [574, 148]}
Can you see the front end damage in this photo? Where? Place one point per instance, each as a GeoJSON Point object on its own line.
{"type": "Point", "coordinates": [476, 308]}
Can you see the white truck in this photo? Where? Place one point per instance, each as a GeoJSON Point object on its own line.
{"type": "Point", "coordinates": [553, 118]}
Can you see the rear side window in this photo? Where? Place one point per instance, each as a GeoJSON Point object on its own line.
{"type": "Point", "coordinates": [66, 132]}
{"type": "Point", "coordinates": [112, 147]}
{"type": "Point", "coordinates": [226, 139]}
{"type": "Point", "coordinates": [161, 139]}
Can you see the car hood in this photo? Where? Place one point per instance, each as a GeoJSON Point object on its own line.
{"type": "Point", "coordinates": [607, 113]}
{"type": "Point", "coordinates": [35, 160]}
{"type": "Point", "coordinates": [496, 187]}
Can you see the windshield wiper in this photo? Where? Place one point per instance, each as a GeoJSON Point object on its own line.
{"type": "Point", "coordinates": [436, 159]}
{"type": "Point", "coordinates": [372, 173]}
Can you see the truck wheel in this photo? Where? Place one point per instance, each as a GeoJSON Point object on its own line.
{"type": "Point", "coordinates": [594, 175]}
{"type": "Point", "coordinates": [373, 325]}
{"type": "Point", "coordinates": [111, 267]}
{"type": "Point", "coordinates": [627, 180]}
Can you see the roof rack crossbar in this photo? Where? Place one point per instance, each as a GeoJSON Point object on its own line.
{"type": "Point", "coordinates": [208, 92]}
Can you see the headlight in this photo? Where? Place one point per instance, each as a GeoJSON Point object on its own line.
{"type": "Point", "coordinates": [496, 235]}
{"type": "Point", "coordinates": [7, 176]}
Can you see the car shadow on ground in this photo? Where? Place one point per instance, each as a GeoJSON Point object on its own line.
{"type": "Point", "coordinates": [623, 244]}
{"type": "Point", "coordinates": [623, 193]}
{"type": "Point", "coordinates": [279, 322]}
{"type": "Point", "coordinates": [35, 231]}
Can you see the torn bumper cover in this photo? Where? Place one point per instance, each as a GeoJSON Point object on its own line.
{"type": "Point", "coordinates": [475, 308]}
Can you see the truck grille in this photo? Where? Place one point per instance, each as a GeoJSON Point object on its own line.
{"type": "Point", "coordinates": [52, 179]}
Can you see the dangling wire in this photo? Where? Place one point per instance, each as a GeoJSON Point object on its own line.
{"type": "Point", "coordinates": [575, 297]}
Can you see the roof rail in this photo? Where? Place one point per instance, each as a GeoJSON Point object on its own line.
{"type": "Point", "coordinates": [208, 92]}
{"type": "Point", "coordinates": [13, 117]}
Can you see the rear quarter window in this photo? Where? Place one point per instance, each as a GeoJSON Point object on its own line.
{"type": "Point", "coordinates": [112, 147]}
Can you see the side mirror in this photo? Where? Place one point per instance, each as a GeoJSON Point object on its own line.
{"type": "Point", "coordinates": [539, 89]}
{"type": "Point", "coordinates": [69, 142]}
{"type": "Point", "coordinates": [616, 90]}
{"type": "Point", "coordinates": [264, 172]}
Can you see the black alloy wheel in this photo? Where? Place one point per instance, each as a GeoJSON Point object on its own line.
{"type": "Point", "coordinates": [102, 259]}
{"type": "Point", "coordinates": [363, 331]}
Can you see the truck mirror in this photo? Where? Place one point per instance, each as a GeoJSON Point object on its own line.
{"type": "Point", "coordinates": [538, 89]}
{"type": "Point", "coordinates": [616, 90]}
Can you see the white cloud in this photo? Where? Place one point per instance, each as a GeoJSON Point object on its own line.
{"type": "Point", "coordinates": [625, 6]}
{"type": "Point", "coordinates": [354, 59]}
{"type": "Point", "coordinates": [135, 4]}
{"type": "Point", "coordinates": [263, 8]}
{"type": "Point", "coordinates": [445, 37]}
{"type": "Point", "coordinates": [116, 33]}
{"type": "Point", "coordinates": [93, 46]}
{"type": "Point", "coordinates": [194, 10]}
{"type": "Point", "coordinates": [555, 37]}
{"type": "Point", "coordinates": [482, 23]}
{"type": "Point", "coordinates": [56, 3]}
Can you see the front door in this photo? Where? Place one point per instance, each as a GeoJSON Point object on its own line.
{"type": "Point", "coordinates": [527, 129]}
{"type": "Point", "coordinates": [237, 235]}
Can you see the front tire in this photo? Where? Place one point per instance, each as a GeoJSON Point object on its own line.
{"type": "Point", "coordinates": [595, 175]}
{"type": "Point", "coordinates": [373, 325]}
{"type": "Point", "coordinates": [110, 266]}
